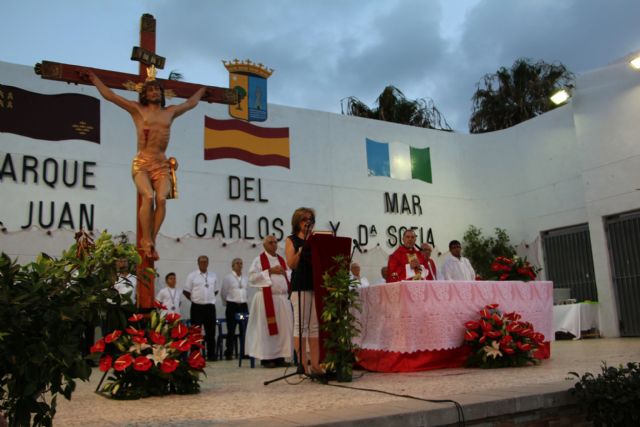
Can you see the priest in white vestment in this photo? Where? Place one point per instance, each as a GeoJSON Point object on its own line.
{"type": "Point", "coordinates": [270, 329]}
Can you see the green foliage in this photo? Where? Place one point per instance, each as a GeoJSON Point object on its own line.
{"type": "Point", "coordinates": [46, 305]}
{"type": "Point", "coordinates": [511, 96]}
{"type": "Point", "coordinates": [393, 106]}
{"type": "Point", "coordinates": [611, 398]}
{"type": "Point", "coordinates": [339, 320]}
{"type": "Point", "coordinates": [241, 93]}
{"type": "Point", "coordinates": [481, 250]}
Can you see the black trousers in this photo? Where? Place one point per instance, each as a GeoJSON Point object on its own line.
{"type": "Point", "coordinates": [116, 318]}
{"type": "Point", "coordinates": [205, 315]}
{"type": "Point", "coordinates": [233, 308]}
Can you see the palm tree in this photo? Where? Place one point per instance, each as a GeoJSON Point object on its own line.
{"type": "Point", "coordinates": [511, 96]}
{"type": "Point", "coordinates": [175, 75]}
{"type": "Point", "coordinates": [393, 106]}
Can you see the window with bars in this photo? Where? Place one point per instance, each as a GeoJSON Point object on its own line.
{"type": "Point", "coordinates": [568, 261]}
{"type": "Point", "coordinates": [623, 237]}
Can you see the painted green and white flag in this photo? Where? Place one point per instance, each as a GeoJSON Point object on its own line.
{"type": "Point", "coordinates": [398, 161]}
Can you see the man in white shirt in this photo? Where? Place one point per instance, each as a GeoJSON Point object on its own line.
{"type": "Point", "coordinates": [455, 266]}
{"type": "Point", "coordinates": [116, 315]}
{"type": "Point", "coordinates": [270, 329]}
{"type": "Point", "coordinates": [200, 289]}
{"type": "Point", "coordinates": [363, 282]}
{"type": "Point", "coordinates": [170, 295]}
{"type": "Point", "coordinates": [234, 297]}
{"type": "Point", "coordinates": [126, 283]}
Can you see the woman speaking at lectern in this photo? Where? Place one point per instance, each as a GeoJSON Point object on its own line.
{"type": "Point", "coordinates": [298, 254]}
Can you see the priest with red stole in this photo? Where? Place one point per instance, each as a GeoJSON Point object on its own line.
{"type": "Point", "coordinates": [270, 329]}
{"type": "Point", "coordinates": [407, 262]}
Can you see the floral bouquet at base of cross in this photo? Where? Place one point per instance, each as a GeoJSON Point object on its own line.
{"type": "Point", "coordinates": [153, 356]}
{"type": "Point", "coordinates": [515, 268]}
{"type": "Point", "coordinates": [500, 340]}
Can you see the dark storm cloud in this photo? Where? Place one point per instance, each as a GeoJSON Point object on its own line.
{"type": "Point", "coordinates": [323, 51]}
{"type": "Point", "coordinates": [582, 34]}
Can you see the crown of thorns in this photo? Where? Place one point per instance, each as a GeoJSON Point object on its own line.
{"type": "Point", "coordinates": [151, 76]}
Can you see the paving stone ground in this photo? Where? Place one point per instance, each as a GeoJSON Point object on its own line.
{"type": "Point", "coordinates": [236, 396]}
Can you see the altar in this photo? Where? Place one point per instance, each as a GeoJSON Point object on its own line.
{"type": "Point", "coordinates": [419, 325]}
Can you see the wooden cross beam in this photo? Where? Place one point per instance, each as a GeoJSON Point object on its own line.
{"type": "Point", "coordinates": [117, 80]}
{"type": "Point", "coordinates": [72, 74]}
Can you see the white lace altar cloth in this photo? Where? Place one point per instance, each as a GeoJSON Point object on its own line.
{"type": "Point", "coordinates": [430, 315]}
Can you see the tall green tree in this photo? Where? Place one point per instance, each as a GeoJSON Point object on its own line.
{"type": "Point", "coordinates": [393, 106]}
{"type": "Point", "coordinates": [513, 95]}
{"type": "Point", "coordinates": [175, 75]}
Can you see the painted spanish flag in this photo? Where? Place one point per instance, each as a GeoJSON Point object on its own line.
{"type": "Point", "coordinates": [236, 139]}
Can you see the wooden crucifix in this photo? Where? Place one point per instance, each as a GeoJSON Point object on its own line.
{"type": "Point", "coordinates": [151, 168]}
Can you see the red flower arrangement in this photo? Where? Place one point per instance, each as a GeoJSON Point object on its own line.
{"type": "Point", "coordinates": [499, 340]}
{"type": "Point", "coordinates": [504, 268]}
{"type": "Point", "coordinates": [153, 356]}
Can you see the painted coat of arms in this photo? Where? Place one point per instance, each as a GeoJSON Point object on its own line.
{"type": "Point", "coordinates": [249, 80]}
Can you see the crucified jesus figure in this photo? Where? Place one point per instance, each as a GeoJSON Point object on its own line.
{"type": "Point", "coordinates": [151, 168]}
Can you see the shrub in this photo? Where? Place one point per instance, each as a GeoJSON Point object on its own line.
{"type": "Point", "coordinates": [611, 398]}
{"type": "Point", "coordinates": [46, 305]}
{"type": "Point", "coordinates": [482, 251]}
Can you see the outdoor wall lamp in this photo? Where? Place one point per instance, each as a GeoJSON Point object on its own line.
{"type": "Point", "coordinates": [560, 97]}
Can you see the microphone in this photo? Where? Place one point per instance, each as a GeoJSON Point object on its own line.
{"type": "Point", "coordinates": [356, 245]}
{"type": "Point", "coordinates": [309, 227]}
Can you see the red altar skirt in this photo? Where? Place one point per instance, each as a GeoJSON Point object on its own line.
{"type": "Point", "coordinates": [391, 361]}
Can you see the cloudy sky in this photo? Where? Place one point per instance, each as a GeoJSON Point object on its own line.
{"type": "Point", "coordinates": [325, 50]}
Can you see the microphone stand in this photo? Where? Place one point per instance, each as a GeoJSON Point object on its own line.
{"type": "Point", "coordinates": [356, 245]}
{"type": "Point", "coordinates": [299, 365]}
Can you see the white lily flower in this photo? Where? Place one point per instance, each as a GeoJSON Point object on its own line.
{"type": "Point", "coordinates": [493, 350]}
{"type": "Point", "coordinates": [159, 354]}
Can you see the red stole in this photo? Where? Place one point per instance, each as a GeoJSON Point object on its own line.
{"type": "Point", "coordinates": [267, 295]}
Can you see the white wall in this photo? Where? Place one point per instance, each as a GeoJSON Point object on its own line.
{"type": "Point", "coordinates": [606, 117]}
{"type": "Point", "coordinates": [573, 165]}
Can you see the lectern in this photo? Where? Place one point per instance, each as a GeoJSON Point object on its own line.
{"type": "Point", "coordinates": [324, 247]}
